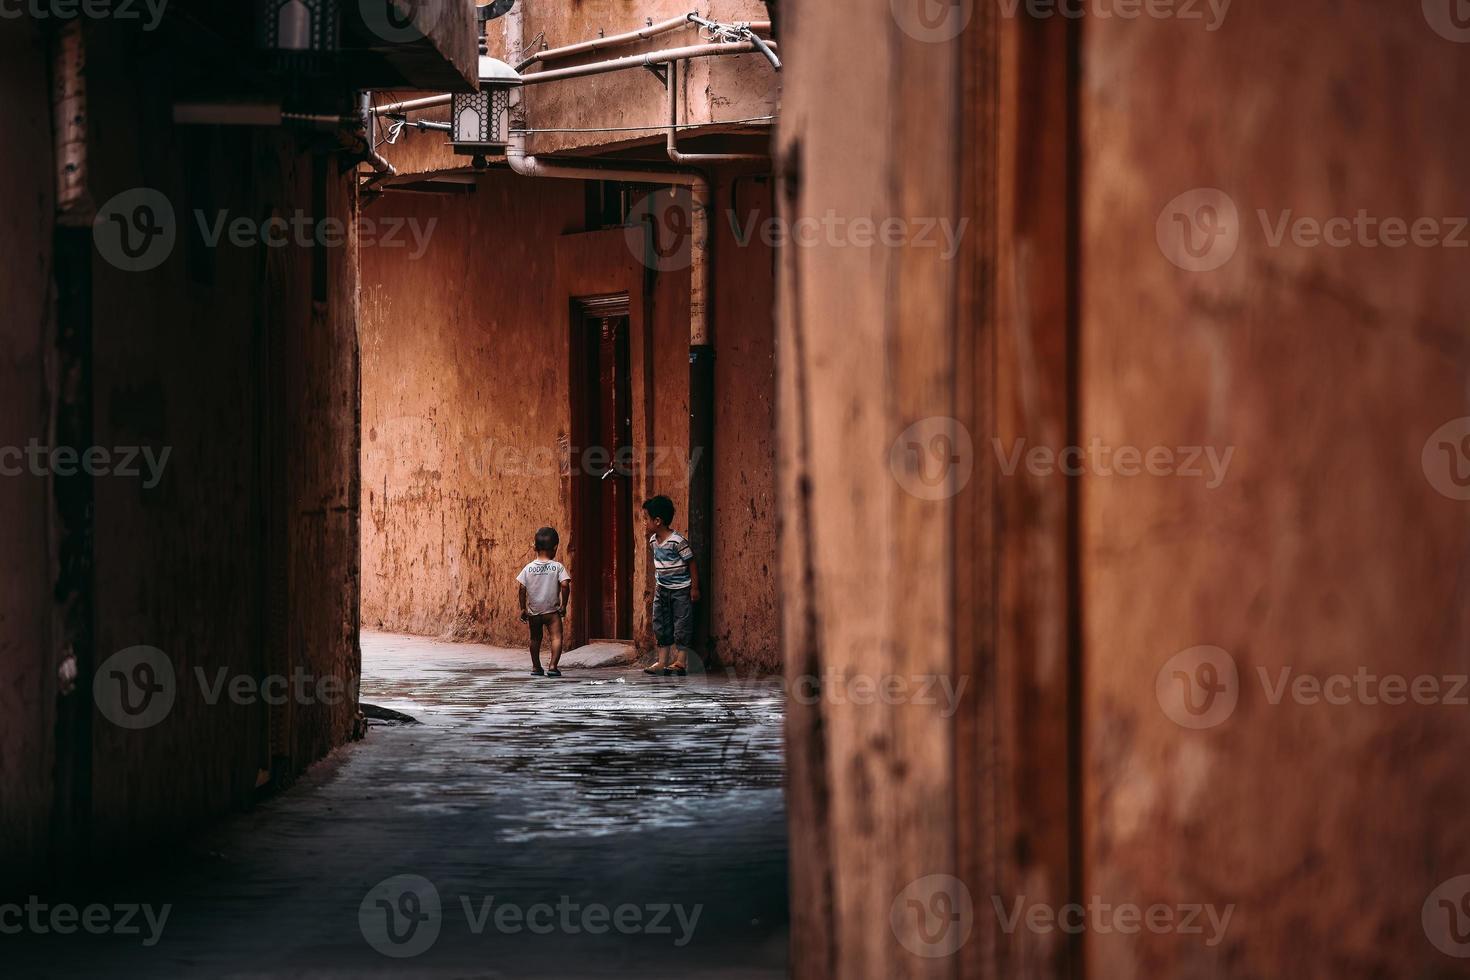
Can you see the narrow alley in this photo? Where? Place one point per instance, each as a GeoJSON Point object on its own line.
{"type": "Point", "coordinates": [996, 474]}
{"type": "Point", "coordinates": [632, 826]}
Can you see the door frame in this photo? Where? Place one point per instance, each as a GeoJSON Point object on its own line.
{"type": "Point", "coordinates": [587, 579]}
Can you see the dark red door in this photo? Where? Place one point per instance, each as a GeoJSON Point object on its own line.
{"type": "Point", "coordinates": [602, 487]}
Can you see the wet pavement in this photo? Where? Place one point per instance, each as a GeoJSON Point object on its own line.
{"type": "Point", "coordinates": [605, 823]}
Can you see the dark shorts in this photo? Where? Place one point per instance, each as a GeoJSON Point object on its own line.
{"type": "Point", "coordinates": [673, 617]}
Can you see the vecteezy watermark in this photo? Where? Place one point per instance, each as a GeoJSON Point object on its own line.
{"type": "Point", "coordinates": [402, 21]}
{"type": "Point", "coordinates": [933, 916]}
{"type": "Point", "coordinates": [63, 919]}
{"type": "Point", "coordinates": [136, 688]}
{"type": "Point", "coordinates": [1450, 19]}
{"type": "Point", "coordinates": [36, 459]}
{"type": "Point", "coordinates": [838, 687]}
{"type": "Point", "coordinates": [1201, 230]}
{"type": "Point", "coordinates": [402, 917]}
{"type": "Point", "coordinates": [660, 231]}
{"type": "Point", "coordinates": [1200, 688]}
{"type": "Point", "coordinates": [933, 21]}
{"type": "Point", "coordinates": [137, 231]}
{"type": "Point", "coordinates": [1446, 917]}
{"type": "Point", "coordinates": [1189, 462]}
{"type": "Point", "coordinates": [599, 461]}
{"type": "Point", "coordinates": [1126, 918]}
{"type": "Point", "coordinates": [1446, 459]}
{"type": "Point", "coordinates": [413, 442]}
{"type": "Point", "coordinates": [833, 230]}
{"type": "Point", "coordinates": [1210, 12]}
{"type": "Point", "coordinates": [149, 11]}
{"type": "Point", "coordinates": [934, 458]}
{"type": "Point", "coordinates": [937, 21]}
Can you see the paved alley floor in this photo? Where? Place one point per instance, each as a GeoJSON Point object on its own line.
{"type": "Point", "coordinates": [605, 823]}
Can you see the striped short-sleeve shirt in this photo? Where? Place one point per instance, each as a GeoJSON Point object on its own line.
{"type": "Point", "coordinates": [671, 559]}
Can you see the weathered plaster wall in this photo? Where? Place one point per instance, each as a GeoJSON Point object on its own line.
{"type": "Point", "coordinates": [711, 89]}
{"type": "Point", "coordinates": [27, 660]}
{"type": "Point", "coordinates": [745, 611]}
{"type": "Point", "coordinates": [243, 362]}
{"type": "Point", "coordinates": [240, 363]}
{"type": "Point", "coordinates": [1325, 550]}
{"type": "Point", "coordinates": [466, 409]}
{"type": "Point", "coordinates": [723, 88]}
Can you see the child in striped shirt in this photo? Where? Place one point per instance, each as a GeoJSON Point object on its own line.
{"type": "Point", "coordinates": [676, 588]}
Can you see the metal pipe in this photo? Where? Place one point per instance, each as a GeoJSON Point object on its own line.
{"type": "Point", "coordinates": [398, 108]}
{"type": "Point", "coordinates": [367, 132]}
{"type": "Point", "coordinates": [673, 133]}
{"type": "Point", "coordinates": [594, 68]}
{"type": "Point", "coordinates": [641, 61]}
{"type": "Point", "coordinates": [584, 47]}
{"type": "Point", "coordinates": [698, 184]}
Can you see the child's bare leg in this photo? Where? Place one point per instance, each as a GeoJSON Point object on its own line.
{"type": "Point", "coordinates": [536, 645]}
{"type": "Point", "coordinates": [554, 629]}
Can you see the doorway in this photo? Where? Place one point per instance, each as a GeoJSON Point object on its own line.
{"type": "Point", "coordinates": [601, 470]}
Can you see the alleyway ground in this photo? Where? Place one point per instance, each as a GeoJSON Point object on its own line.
{"type": "Point", "coordinates": [604, 788]}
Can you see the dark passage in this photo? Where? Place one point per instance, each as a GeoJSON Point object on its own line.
{"type": "Point", "coordinates": [642, 820]}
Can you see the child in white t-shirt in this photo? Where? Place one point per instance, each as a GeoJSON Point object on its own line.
{"type": "Point", "coordinates": [545, 589]}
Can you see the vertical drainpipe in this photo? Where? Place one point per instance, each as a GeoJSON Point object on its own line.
{"type": "Point", "coordinates": [72, 496]}
{"type": "Point", "coordinates": [702, 408]}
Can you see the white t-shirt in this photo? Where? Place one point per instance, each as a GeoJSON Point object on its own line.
{"type": "Point", "coordinates": [542, 579]}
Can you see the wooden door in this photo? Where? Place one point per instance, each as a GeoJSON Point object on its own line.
{"type": "Point", "coordinates": [602, 486]}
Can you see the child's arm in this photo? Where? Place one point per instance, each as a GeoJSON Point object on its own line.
{"type": "Point", "coordinates": [566, 594]}
{"type": "Point", "coordinates": [693, 580]}
{"type": "Point", "coordinates": [524, 615]}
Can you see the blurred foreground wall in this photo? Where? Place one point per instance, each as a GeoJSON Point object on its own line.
{"type": "Point", "coordinates": [137, 593]}
{"type": "Point", "coordinates": [1182, 477]}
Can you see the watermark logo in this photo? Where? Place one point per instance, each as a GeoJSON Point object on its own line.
{"type": "Point", "coordinates": [41, 460]}
{"type": "Point", "coordinates": [1446, 917]}
{"type": "Point", "coordinates": [135, 688]}
{"type": "Point", "coordinates": [1450, 19]}
{"type": "Point", "coordinates": [933, 21]}
{"type": "Point", "coordinates": [64, 919]}
{"type": "Point", "coordinates": [834, 230]}
{"type": "Point", "coordinates": [1098, 459]}
{"type": "Point", "coordinates": [1199, 230]}
{"type": "Point", "coordinates": [1446, 459]}
{"type": "Point", "coordinates": [401, 21]}
{"type": "Point", "coordinates": [934, 458]}
{"type": "Point", "coordinates": [1211, 12]}
{"type": "Point", "coordinates": [1199, 687]}
{"type": "Point", "coordinates": [401, 916]}
{"type": "Point", "coordinates": [135, 231]}
{"type": "Point", "coordinates": [933, 916]}
{"type": "Point", "coordinates": [660, 230]}
{"type": "Point", "coordinates": [149, 11]}
{"type": "Point", "coordinates": [138, 230]}
{"type": "Point", "coordinates": [1125, 918]}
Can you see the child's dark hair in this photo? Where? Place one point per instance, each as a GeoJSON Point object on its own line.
{"type": "Point", "coordinates": [660, 507]}
{"type": "Point", "coordinates": [547, 538]}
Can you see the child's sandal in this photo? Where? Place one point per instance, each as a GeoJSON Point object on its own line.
{"type": "Point", "coordinates": [553, 672]}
